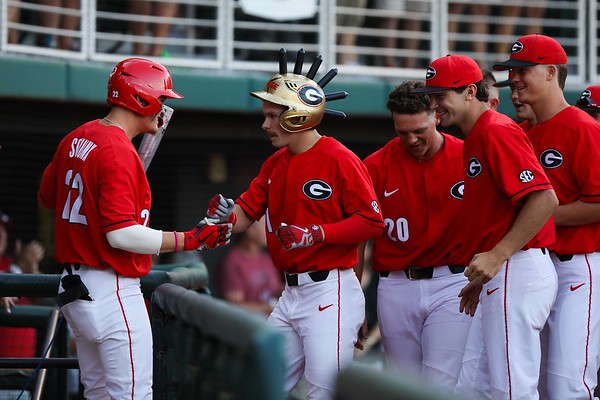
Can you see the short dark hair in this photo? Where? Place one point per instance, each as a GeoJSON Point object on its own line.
{"type": "Point", "coordinates": [402, 101]}
{"type": "Point", "coordinates": [483, 92]}
{"type": "Point", "coordinates": [562, 75]}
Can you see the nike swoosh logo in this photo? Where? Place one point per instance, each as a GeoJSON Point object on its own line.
{"type": "Point", "coordinates": [269, 181]}
{"type": "Point", "coordinates": [489, 292]}
{"type": "Point", "coordinates": [455, 82]}
{"type": "Point", "coordinates": [574, 288]}
{"type": "Point", "coordinates": [388, 194]}
{"type": "Point", "coordinates": [324, 308]}
{"type": "Point", "coordinates": [542, 57]}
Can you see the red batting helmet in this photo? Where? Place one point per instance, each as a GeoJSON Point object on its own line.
{"type": "Point", "coordinates": [138, 83]}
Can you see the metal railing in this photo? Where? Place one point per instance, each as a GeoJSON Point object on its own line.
{"type": "Point", "coordinates": [228, 35]}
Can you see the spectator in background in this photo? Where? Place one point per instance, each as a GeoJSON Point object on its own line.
{"type": "Point", "coordinates": [534, 15]}
{"type": "Point", "coordinates": [410, 25]}
{"type": "Point", "coordinates": [59, 20]}
{"type": "Point", "coordinates": [477, 27]}
{"type": "Point", "coordinates": [247, 276]}
{"type": "Point", "coordinates": [159, 31]}
{"type": "Point", "coordinates": [588, 101]}
{"type": "Point", "coordinates": [349, 21]}
{"type": "Point", "coordinates": [14, 16]}
{"type": "Point", "coordinates": [21, 258]}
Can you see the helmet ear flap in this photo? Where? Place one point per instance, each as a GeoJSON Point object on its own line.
{"type": "Point", "coordinates": [294, 120]}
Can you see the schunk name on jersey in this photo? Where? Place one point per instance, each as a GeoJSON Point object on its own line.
{"type": "Point", "coordinates": [81, 148]}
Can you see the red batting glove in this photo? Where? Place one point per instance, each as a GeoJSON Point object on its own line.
{"type": "Point", "coordinates": [220, 209]}
{"type": "Point", "coordinates": [292, 236]}
{"type": "Point", "coordinates": [207, 235]}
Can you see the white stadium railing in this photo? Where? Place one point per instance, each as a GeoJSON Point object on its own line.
{"type": "Point", "coordinates": [245, 35]}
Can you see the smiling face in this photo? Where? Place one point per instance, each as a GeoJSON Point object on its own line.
{"type": "Point", "coordinates": [524, 111]}
{"type": "Point", "coordinates": [418, 134]}
{"type": "Point", "coordinates": [449, 106]}
{"type": "Point", "coordinates": [531, 83]}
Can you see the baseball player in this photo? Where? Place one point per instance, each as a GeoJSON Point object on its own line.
{"type": "Point", "coordinates": [524, 112]}
{"type": "Point", "coordinates": [506, 229]}
{"type": "Point", "coordinates": [588, 101]}
{"type": "Point", "coordinates": [418, 177]}
{"type": "Point", "coordinates": [319, 205]}
{"type": "Point", "coordinates": [567, 143]}
{"type": "Point", "coordinates": [98, 189]}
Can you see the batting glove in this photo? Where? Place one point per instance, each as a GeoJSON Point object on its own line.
{"type": "Point", "coordinates": [207, 235]}
{"type": "Point", "coordinates": [292, 236]}
{"type": "Point", "coordinates": [220, 209]}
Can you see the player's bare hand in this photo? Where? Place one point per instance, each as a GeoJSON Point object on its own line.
{"type": "Point", "coordinates": [8, 303]}
{"type": "Point", "coordinates": [362, 336]}
{"type": "Point", "coordinates": [293, 237]}
{"type": "Point", "coordinates": [207, 235]}
{"type": "Point", "coordinates": [220, 210]}
{"type": "Point", "coordinates": [483, 267]}
{"type": "Point", "coordinates": [469, 298]}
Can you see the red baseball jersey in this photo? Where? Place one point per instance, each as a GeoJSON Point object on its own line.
{"type": "Point", "coordinates": [525, 125]}
{"type": "Point", "coordinates": [501, 169]}
{"type": "Point", "coordinates": [96, 184]}
{"type": "Point", "coordinates": [323, 185]}
{"type": "Point", "coordinates": [420, 203]}
{"type": "Point", "coordinates": [568, 147]}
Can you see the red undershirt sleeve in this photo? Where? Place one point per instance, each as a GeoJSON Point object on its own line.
{"type": "Point", "coordinates": [352, 230]}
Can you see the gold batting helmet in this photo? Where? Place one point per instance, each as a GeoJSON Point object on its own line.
{"type": "Point", "coordinates": [303, 97]}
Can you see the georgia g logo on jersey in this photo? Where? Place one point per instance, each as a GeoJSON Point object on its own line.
{"type": "Point", "coordinates": [457, 191]}
{"type": "Point", "coordinates": [551, 158]}
{"type": "Point", "coordinates": [474, 168]}
{"type": "Point", "coordinates": [317, 190]}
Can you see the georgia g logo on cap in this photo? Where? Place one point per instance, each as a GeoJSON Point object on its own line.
{"type": "Point", "coordinates": [585, 94]}
{"type": "Point", "coordinates": [516, 47]}
{"type": "Point", "coordinates": [430, 74]}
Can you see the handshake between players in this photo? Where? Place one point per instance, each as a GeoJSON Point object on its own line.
{"type": "Point", "coordinates": [221, 212]}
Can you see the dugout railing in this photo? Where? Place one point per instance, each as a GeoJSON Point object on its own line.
{"type": "Point", "coordinates": [51, 380]}
{"type": "Point", "coordinates": [362, 381]}
{"type": "Point", "coordinates": [206, 348]}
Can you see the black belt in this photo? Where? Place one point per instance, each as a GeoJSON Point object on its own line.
{"type": "Point", "coordinates": [564, 257]}
{"type": "Point", "coordinates": [418, 273]}
{"type": "Point", "coordinates": [317, 276]}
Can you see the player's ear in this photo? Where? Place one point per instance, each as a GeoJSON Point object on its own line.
{"type": "Point", "coordinates": [551, 72]}
{"type": "Point", "coordinates": [471, 91]}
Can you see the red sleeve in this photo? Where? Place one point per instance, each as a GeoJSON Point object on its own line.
{"type": "Point", "coordinates": [352, 230]}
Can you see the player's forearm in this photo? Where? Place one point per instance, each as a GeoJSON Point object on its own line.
{"type": "Point", "coordinates": [137, 239]}
{"type": "Point", "coordinates": [359, 268]}
{"type": "Point", "coordinates": [576, 214]}
{"type": "Point", "coordinates": [243, 221]}
{"type": "Point", "coordinates": [352, 230]}
{"type": "Point", "coordinates": [538, 207]}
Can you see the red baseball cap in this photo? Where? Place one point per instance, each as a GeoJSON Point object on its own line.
{"type": "Point", "coordinates": [532, 50]}
{"type": "Point", "coordinates": [450, 72]}
{"type": "Point", "coordinates": [589, 100]}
